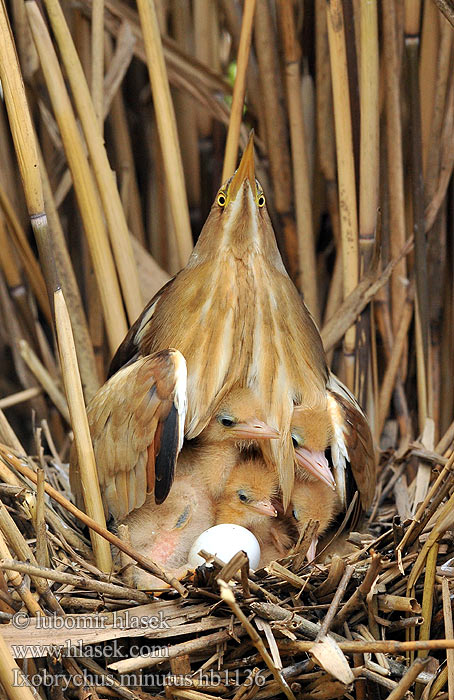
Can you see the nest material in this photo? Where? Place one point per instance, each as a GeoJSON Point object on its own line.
{"type": "Point", "coordinates": [291, 630]}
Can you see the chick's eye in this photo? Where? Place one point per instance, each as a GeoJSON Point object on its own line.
{"type": "Point", "coordinates": [226, 421]}
{"type": "Point", "coordinates": [295, 514]}
{"type": "Point", "coordinates": [221, 200]}
{"type": "Point", "coordinates": [242, 496]}
{"type": "Point", "coordinates": [261, 200]}
{"type": "Point", "coordinates": [297, 440]}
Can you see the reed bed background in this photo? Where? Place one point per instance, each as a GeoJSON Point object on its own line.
{"type": "Point", "coordinates": [118, 123]}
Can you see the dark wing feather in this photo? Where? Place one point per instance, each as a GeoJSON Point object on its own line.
{"type": "Point", "coordinates": [143, 400]}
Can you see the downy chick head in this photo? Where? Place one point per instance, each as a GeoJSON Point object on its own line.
{"type": "Point", "coordinates": [313, 500]}
{"type": "Point", "coordinates": [312, 433]}
{"type": "Point", "coordinates": [238, 421]}
{"type": "Point", "coordinates": [247, 497]}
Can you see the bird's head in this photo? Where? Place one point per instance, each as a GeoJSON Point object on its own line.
{"type": "Point", "coordinates": [236, 420]}
{"type": "Point", "coordinates": [312, 501]}
{"type": "Point", "coordinates": [238, 221]}
{"type": "Point", "coordinates": [248, 494]}
{"type": "Point", "coordinates": [312, 432]}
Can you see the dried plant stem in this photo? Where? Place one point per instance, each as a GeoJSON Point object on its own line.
{"type": "Point", "coordinates": [97, 60]}
{"type": "Point", "coordinates": [428, 75]}
{"type": "Point", "coordinates": [345, 168]}
{"type": "Point", "coordinates": [307, 278]}
{"type": "Point", "coordinates": [228, 596]}
{"type": "Point", "coordinates": [42, 556]}
{"type": "Point", "coordinates": [393, 364]}
{"type": "Point", "coordinates": [369, 144]}
{"type": "Point", "coordinates": [407, 680]}
{"type": "Point", "coordinates": [428, 596]}
{"type": "Point", "coordinates": [92, 524]}
{"type": "Point", "coordinates": [17, 581]}
{"type": "Point", "coordinates": [236, 112]}
{"type": "Point", "coordinates": [44, 378]}
{"type": "Point", "coordinates": [333, 608]}
{"type": "Point", "coordinates": [79, 422]}
{"type": "Point", "coordinates": [446, 9]}
{"type": "Point", "coordinates": [11, 676]}
{"type": "Point", "coordinates": [84, 183]}
{"type": "Point", "coordinates": [394, 154]}
{"type": "Point", "coordinates": [20, 397]}
{"type": "Point", "coordinates": [113, 210]}
{"type": "Point", "coordinates": [449, 632]}
{"type": "Point", "coordinates": [168, 136]}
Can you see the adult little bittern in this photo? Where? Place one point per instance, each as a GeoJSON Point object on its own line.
{"type": "Point", "coordinates": [238, 320]}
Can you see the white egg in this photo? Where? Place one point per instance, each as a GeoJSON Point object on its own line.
{"type": "Point", "coordinates": [224, 541]}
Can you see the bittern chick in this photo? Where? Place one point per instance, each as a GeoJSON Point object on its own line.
{"type": "Point", "coordinates": [234, 430]}
{"type": "Point", "coordinates": [165, 533]}
{"type": "Point", "coordinates": [312, 433]}
{"type": "Point", "coordinates": [247, 497]}
{"type": "Point", "coordinates": [313, 500]}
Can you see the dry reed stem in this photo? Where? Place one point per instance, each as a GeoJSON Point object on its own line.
{"type": "Point", "coordinates": [428, 74]}
{"type": "Point", "coordinates": [369, 175]}
{"type": "Point", "coordinates": [307, 268]}
{"type": "Point", "coordinates": [17, 581]}
{"type": "Point", "coordinates": [394, 154]}
{"type": "Point", "coordinates": [165, 118]}
{"type": "Point", "coordinates": [407, 680]}
{"type": "Point", "coordinates": [20, 396]}
{"type": "Point", "coordinates": [412, 17]}
{"type": "Point", "coordinates": [446, 8]}
{"type": "Point", "coordinates": [84, 184]}
{"type": "Point", "coordinates": [392, 368]}
{"type": "Point", "coordinates": [333, 608]}
{"type": "Point", "coordinates": [145, 563]}
{"type": "Point", "coordinates": [13, 680]}
{"type": "Point", "coordinates": [449, 632]}
{"type": "Point", "coordinates": [239, 89]}
{"type": "Point", "coordinates": [65, 273]}
{"type": "Point", "coordinates": [228, 597]}
{"type": "Point", "coordinates": [26, 255]}
{"type": "Point", "coordinates": [42, 555]}
{"type": "Point", "coordinates": [110, 198]}
{"type": "Point", "coordinates": [97, 60]}
{"type": "Point", "coordinates": [44, 378]}
{"type": "Point", "coordinates": [79, 422]}
{"type": "Point", "coordinates": [428, 596]}
{"type": "Point", "coordinates": [345, 168]}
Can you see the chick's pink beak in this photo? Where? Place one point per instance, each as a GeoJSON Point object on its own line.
{"type": "Point", "coordinates": [316, 464]}
{"type": "Point", "coordinates": [265, 507]}
{"type": "Point", "coordinates": [255, 429]}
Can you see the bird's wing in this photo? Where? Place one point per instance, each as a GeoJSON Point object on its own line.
{"type": "Point", "coordinates": [129, 351]}
{"type": "Point", "coordinates": [352, 444]}
{"type": "Point", "coordinates": [137, 426]}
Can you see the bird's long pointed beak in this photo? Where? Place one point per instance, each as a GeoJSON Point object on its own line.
{"type": "Point", "coordinates": [316, 464]}
{"type": "Point", "coordinates": [254, 430]}
{"type": "Point", "coordinates": [246, 171]}
{"type": "Point", "coordinates": [310, 556]}
{"type": "Point", "coordinates": [264, 507]}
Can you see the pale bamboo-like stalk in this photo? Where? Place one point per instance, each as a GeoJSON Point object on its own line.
{"type": "Point", "coordinates": [412, 17]}
{"type": "Point", "coordinates": [394, 155]}
{"type": "Point", "coordinates": [11, 677]}
{"type": "Point", "coordinates": [427, 605]}
{"type": "Point", "coordinates": [428, 73]}
{"type": "Point", "coordinates": [345, 168]}
{"type": "Point", "coordinates": [239, 89]}
{"type": "Point", "coordinates": [186, 109]}
{"type": "Point", "coordinates": [307, 266]}
{"type": "Point", "coordinates": [84, 184]}
{"type": "Point", "coordinates": [202, 10]}
{"type": "Point", "coordinates": [65, 273]}
{"type": "Point", "coordinates": [113, 210]}
{"type": "Point", "coordinates": [449, 632]}
{"type": "Point", "coordinates": [82, 438]}
{"type": "Point", "coordinates": [165, 118]}
{"type": "Point", "coordinates": [370, 130]}
{"type": "Point", "coordinates": [97, 60]}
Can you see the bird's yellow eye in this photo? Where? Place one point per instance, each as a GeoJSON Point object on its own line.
{"type": "Point", "coordinates": [261, 200]}
{"type": "Point", "coordinates": [221, 200]}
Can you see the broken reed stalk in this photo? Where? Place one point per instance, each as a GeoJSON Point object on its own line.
{"type": "Point", "coordinates": [430, 41]}
{"type": "Point", "coordinates": [82, 438]}
{"type": "Point", "coordinates": [307, 265]}
{"type": "Point", "coordinates": [168, 136]}
{"type": "Point", "coordinates": [84, 183]}
{"type": "Point", "coordinates": [145, 563]}
{"type": "Point", "coordinates": [97, 60]}
{"type": "Point", "coordinates": [110, 198]}
{"type": "Point", "coordinates": [345, 169]}
{"type": "Point", "coordinates": [239, 89]}
{"type": "Point", "coordinates": [407, 680]}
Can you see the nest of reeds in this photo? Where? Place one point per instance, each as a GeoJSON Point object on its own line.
{"type": "Point", "coordinates": [353, 109]}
